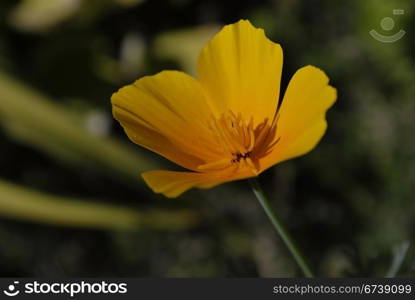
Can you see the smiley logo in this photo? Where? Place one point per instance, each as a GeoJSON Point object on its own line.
{"type": "Point", "coordinates": [388, 24]}
{"type": "Point", "coordinates": [11, 290]}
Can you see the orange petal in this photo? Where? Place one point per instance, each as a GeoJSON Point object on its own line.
{"type": "Point", "coordinates": [172, 184]}
{"type": "Point", "coordinates": [240, 68]}
{"type": "Point", "coordinates": [302, 115]}
{"type": "Point", "coordinates": [167, 113]}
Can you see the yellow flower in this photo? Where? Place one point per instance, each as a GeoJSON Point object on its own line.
{"type": "Point", "coordinates": [226, 124]}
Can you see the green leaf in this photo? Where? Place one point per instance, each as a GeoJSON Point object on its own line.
{"type": "Point", "coordinates": [20, 203]}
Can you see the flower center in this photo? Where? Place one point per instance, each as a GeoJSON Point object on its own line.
{"type": "Point", "coordinates": [240, 142]}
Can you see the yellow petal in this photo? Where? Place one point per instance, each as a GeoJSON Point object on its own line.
{"type": "Point", "coordinates": [172, 184]}
{"type": "Point", "coordinates": [301, 123]}
{"type": "Point", "coordinates": [240, 68]}
{"type": "Point", "coordinates": [167, 113]}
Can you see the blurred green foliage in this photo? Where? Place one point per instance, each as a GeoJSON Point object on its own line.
{"type": "Point", "coordinates": [71, 196]}
{"type": "Point", "coordinates": [21, 203]}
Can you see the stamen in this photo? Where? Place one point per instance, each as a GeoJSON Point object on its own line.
{"type": "Point", "coordinates": [242, 143]}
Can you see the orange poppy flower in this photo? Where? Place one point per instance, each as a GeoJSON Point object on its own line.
{"type": "Point", "coordinates": [226, 124]}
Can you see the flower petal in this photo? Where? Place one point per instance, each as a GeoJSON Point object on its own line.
{"type": "Point", "coordinates": [240, 68]}
{"type": "Point", "coordinates": [167, 114]}
{"type": "Point", "coordinates": [301, 117]}
{"type": "Point", "coordinates": [172, 184]}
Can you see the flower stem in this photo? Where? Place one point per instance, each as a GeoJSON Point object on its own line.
{"type": "Point", "coordinates": [280, 228]}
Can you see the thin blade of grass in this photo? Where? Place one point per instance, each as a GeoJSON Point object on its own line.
{"type": "Point", "coordinates": [20, 203]}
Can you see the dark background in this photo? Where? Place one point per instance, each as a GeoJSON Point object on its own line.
{"type": "Point", "coordinates": [71, 199]}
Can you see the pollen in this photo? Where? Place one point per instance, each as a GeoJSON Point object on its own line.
{"type": "Point", "coordinates": [240, 142]}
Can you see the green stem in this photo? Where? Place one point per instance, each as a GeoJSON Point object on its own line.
{"type": "Point", "coordinates": [279, 227]}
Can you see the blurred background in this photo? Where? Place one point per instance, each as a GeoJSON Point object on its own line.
{"type": "Point", "coordinates": [71, 199]}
